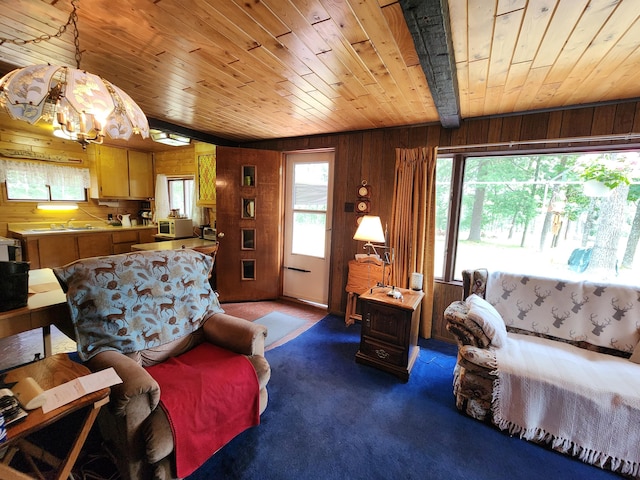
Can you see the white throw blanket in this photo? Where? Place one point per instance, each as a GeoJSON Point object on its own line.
{"type": "Point", "coordinates": [583, 403]}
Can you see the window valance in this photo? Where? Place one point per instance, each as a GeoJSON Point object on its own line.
{"type": "Point", "coordinates": [50, 174]}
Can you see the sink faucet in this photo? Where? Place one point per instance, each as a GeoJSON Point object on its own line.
{"type": "Point", "coordinates": [69, 222]}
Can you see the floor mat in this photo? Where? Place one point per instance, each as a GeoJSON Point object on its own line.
{"type": "Point", "coordinates": [279, 325]}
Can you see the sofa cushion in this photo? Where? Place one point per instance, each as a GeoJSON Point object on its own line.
{"type": "Point", "coordinates": [488, 318]}
{"type": "Point", "coordinates": [133, 301]}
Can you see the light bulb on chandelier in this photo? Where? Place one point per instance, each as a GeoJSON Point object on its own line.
{"type": "Point", "coordinates": [80, 106]}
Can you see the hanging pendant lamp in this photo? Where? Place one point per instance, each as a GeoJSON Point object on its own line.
{"type": "Point", "coordinates": [81, 106]}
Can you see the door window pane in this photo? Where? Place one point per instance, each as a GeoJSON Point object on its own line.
{"type": "Point", "coordinates": [310, 200]}
{"type": "Point", "coordinates": [309, 234]}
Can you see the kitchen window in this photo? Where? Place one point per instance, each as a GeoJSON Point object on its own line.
{"type": "Point", "coordinates": [33, 181]}
{"type": "Point", "coordinates": [181, 194]}
{"type": "Point", "coordinates": [534, 213]}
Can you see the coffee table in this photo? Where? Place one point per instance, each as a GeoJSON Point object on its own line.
{"type": "Point", "coordinates": [50, 372]}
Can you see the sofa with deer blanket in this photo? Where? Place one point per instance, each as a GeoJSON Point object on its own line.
{"type": "Point", "coordinates": [553, 361]}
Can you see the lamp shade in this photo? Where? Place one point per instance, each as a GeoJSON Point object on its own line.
{"type": "Point", "coordinates": [74, 99]}
{"type": "Point", "coordinates": [370, 230]}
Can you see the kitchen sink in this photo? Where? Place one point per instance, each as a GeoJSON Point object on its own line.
{"type": "Point", "coordinates": [62, 229]}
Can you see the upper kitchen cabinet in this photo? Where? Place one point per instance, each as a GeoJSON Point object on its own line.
{"type": "Point", "coordinates": [140, 174]}
{"type": "Point", "coordinates": [206, 174]}
{"type": "Point", "coordinates": [120, 173]}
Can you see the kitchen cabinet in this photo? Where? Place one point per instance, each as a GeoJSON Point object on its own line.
{"type": "Point", "coordinates": [147, 235]}
{"type": "Point", "coordinates": [122, 241]}
{"type": "Point", "coordinates": [94, 245]}
{"type": "Point", "coordinates": [56, 249]}
{"type": "Point", "coordinates": [206, 175]}
{"type": "Point", "coordinates": [140, 174]}
{"type": "Point", "coordinates": [120, 173]}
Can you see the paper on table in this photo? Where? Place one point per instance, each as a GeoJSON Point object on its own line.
{"type": "Point", "coordinates": [78, 387]}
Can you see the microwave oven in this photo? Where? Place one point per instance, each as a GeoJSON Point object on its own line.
{"type": "Point", "coordinates": [175, 227]}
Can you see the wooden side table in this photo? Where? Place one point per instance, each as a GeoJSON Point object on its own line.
{"type": "Point", "coordinates": [390, 326]}
{"type": "Point", "coordinates": [49, 373]}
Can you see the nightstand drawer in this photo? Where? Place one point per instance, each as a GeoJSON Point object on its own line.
{"type": "Point", "coordinates": [383, 351]}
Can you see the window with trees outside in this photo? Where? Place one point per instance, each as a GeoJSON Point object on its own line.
{"type": "Point", "coordinates": [34, 181]}
{"type": "Point", "coordinates": [566, 215]}
{"type": "Point", "coordinates": [181, 194]}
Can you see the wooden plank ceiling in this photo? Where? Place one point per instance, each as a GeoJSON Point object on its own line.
{"type": "Point", "coordinates": [244, 70]}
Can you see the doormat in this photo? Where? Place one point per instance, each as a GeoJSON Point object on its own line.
{"type": "Point", "coordinates": [279, 325]}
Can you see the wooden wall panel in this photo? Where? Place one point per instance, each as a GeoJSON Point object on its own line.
{"type": "Point", "coordinates": [178, 161]}
{"type": "Point", "coordinates": [372, 154]}
{"type": "Point", "coordinates": [443, 295]}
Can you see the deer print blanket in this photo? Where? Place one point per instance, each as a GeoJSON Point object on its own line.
{"type": "Point", "coordinates": [138, 300]}
{"type": "Point", "coordinates": [583, 313]}
{"type": "Point", "coordinates": [581, 401]}
{"type": "Point", "coordinates": [585, 400]}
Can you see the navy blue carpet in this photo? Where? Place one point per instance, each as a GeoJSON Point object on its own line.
{"type": "Point", "coordinates": [331, 418]}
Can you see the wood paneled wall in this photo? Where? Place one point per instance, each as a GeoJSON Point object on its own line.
{"type": "Point", "coordinates": [177, 161]}
{"type": "Point", "coordinates": [370, 156]}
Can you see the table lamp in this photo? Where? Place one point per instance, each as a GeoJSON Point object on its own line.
{"type": "Point", "coordinates": [370, 231]}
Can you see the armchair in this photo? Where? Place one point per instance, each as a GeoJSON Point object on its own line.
{"type": "Point", "coordinates": [137, 310]}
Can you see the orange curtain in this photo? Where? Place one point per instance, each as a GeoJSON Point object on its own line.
{"type": "Point", "coordinates": [412, 233]}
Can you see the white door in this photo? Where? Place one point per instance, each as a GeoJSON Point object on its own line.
{"type": "Point", "coordinates": [307, 234]}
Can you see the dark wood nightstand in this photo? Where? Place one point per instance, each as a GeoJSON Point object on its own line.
{"type": "Point", "coordinates": [389, 336]}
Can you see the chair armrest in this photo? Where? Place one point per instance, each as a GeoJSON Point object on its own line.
{"type": "Point", "coordinates": [481, 358]}
{"type": "Point", "coordinates": [235, 334]}
{"type": "Point", "coordinates": [136, 381]}
{"type": "Point", "coordinates": [464, 329]}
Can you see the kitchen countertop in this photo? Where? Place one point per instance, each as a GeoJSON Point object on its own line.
{"type": "Point", "coordinates": [76, 227]}
{"type": "Point", "coordinates": [200, 244]}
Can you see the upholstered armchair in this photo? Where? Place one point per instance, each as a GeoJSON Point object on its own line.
{"type": "Point", "coordinates": [472, 377]}
{"type": "Point", "coordinates": [140, 310]}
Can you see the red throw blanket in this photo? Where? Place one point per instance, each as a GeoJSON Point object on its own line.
{"type": "Point", "coordinates": [210, 395]}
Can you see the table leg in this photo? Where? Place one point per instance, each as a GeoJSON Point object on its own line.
{"type": "Point", "coordinates": [64, 467]}
{"type": "Point", "coordinates": [72, 456]}
{"type": "Point", "coordinates": [8, 473]}
{"type": "Point", "coordinates": [46, 340]}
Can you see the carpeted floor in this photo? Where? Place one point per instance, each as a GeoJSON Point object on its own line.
{"type": "Point", "coordinates": [330, 418]}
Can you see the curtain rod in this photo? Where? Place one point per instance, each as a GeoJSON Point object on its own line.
{"type": "Point", "coordinates": [597, 138]}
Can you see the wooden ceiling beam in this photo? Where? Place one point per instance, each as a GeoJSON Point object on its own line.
{"type": "Point", "coordinates": [428, 22]}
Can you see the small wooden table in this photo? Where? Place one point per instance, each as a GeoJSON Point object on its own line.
{"type": "Point", "coordinates": [47, 305]}
{"type": "Point", "coordinates": [50, 372]}
{"type": "Point", "coordinates": [390, 327]}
